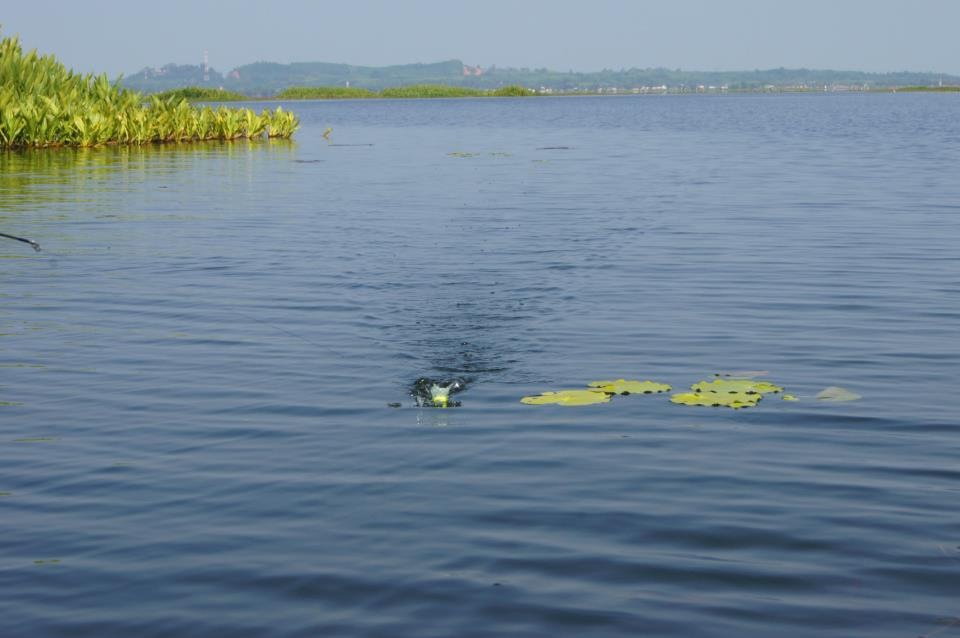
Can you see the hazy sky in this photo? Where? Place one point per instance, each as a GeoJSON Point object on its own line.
{"type": "Point", "coordinates": [588, 35]}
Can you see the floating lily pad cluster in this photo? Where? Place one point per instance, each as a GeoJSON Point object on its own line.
{"type": "Point", "coordinates": [729, 393]}
{"type": "Point", "coordinates": [598, 392]}
{"type": "Point", "coordinates": [724, 391]}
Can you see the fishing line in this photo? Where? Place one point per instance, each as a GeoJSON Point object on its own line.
{"type": "Point", "coordinates": [32, 243]}
{"type": "Point", "coordinates": [286, 332]}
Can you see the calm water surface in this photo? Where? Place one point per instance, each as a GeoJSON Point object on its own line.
{"type": "Point", "coordinates": [195, 372]}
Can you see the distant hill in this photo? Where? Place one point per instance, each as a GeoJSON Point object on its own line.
{"type": "Point", "coordinates": [268, 78]}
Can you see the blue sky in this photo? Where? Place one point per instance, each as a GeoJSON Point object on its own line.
{"type": "Point", "coordinates": [122, 37]}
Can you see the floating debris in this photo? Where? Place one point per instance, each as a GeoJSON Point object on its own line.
{"type": "Point", "coordinates": [789, 397]}
{"type": "Point", "coordinates": [462, 154]}
{"type": "Point", "coordinates": [48, 561]}
{"type": "Point", "coordinates": [568, 398]}
{"type": "Point", "coordinates": [395, 404]}
{"type": "Point", "coordinates": [622, 386]}
{"type": "Point", "coordinates": [742, 374]}
{"type": "Point", "coordinates": [555, 148]}
{"type": "Point", "coordinates": [833, 393]}
{"type": "Point", "coordinates": [431, 393]}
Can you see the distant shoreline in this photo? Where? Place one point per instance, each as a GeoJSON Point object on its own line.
{"type": "Point", "coordinates": [429, 92]}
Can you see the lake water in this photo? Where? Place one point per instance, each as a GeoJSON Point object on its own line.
{"type": "Point", "coordinates": [195, 373]}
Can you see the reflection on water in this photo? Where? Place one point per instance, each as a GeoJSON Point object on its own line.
{"type": "Point", "coordinates": [31, 178]}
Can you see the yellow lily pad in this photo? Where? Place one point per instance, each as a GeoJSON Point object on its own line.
{"type": "Point", "coordinates": [742, 386]}
{"type": "Point", "coordinates": [789, 397]}
{"type": "Point", "coordinates": [568, 397]}
{"type": "Point", "coordinates": [735, 400]}
{"type": "Point", "coordinates": [622, 386]}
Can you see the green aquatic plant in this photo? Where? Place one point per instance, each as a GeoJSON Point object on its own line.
{"type": "Point", "coordinates": [568, 398]}
{"type": "Point", "coordinates": [512, 90]}
{"type": "Point", "coordinates": [735, 400]}
{"type": "Point", "coordinates": [44, 104]}
{"type": "Point", "coordinates": [430, 90]}
{"type": "Point", "coordinates": [202, 93]}
{"type": "Point", "coordinates": [789, 397]}
{"type": "Point", "coordinates": [325, 93]}
{"type": "Point", "coordinates": [409, 91]}
{"type": "Point", "coordinates": [282, 123]}
{"type": "Point", "coordinates": [745, 386]}
{"type": "Point", "coordinates": [622, 386]}
{"type": "Point", "coordinates": [730, 393]}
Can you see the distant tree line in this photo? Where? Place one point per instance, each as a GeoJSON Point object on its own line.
{"type": "Point", "coordinates": [269, 78]}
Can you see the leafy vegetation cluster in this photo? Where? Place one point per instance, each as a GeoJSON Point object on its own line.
{"type": "Point", "coordinates": [202, 94]}
{"type": "Point", "coordinates": [42, 103]}
{"type": "Point", "coordinates": [932, 89]}
{"type": "Point", "coordinates": [414, 91]}
{"type": "Point", "coordinates": [324, 93]}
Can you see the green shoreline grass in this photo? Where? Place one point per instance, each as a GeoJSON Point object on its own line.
{"type": "Point", "coordinates": [44, 104]}
{"type": "Point", "coordinates": [929, 89]}
{"type": "Point", "coordinates": [415, 91]}
{"type": "Point", "coordinates": [428, 91]}
{"type": "Point", "coordinates": [201, 94]}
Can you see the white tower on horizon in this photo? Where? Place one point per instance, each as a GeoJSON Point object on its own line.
{"type": "Point", "coordinates": [206, 67]}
